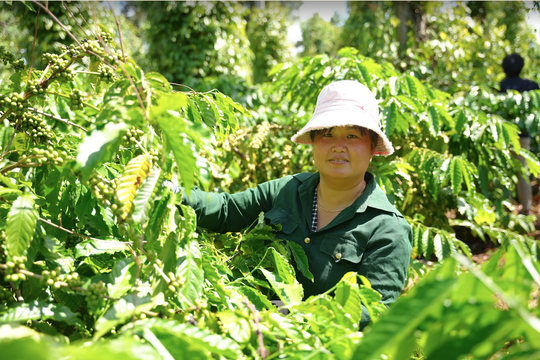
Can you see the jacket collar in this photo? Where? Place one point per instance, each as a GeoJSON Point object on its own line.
{"type": "Point", "coordinates": [373, 195]}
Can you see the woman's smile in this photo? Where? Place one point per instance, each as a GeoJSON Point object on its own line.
{"type": "Point", "coordinates": [339, 161]}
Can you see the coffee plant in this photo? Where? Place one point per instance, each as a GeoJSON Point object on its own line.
{"type": "Point", "coordinates": [100, 258]}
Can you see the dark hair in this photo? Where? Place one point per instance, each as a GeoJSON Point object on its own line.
{"type": "Point", "coordinates": [512, 65]}
{"type": "Point", "coordinates": [372, 134]}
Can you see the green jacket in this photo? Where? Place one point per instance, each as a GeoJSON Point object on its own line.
{"type": "Point", "coordinates": [370, 237]}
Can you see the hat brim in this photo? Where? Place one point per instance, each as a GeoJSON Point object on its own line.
{"type": "Point", "coordinates": [344, 118]}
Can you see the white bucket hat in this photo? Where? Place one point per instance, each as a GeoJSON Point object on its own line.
{"type": "Point", "coordinates": [346, 103]}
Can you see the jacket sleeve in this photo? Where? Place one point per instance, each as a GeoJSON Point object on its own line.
{"type": "Point", "coordinates": [223, 212]}
{"type": "Point", "coordinates": [386, 260]}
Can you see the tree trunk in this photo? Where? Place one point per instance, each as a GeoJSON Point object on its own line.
{"type": "Point", "coordinates": [403, 13]}
{"type": "Point", "coordinates": [411, 16]}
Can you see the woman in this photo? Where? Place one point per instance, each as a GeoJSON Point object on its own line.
{"type": "Point", "coordinates": [339, 215]}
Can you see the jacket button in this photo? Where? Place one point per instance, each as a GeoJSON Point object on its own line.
{"type": "Point", "coordinates": [307, 240]}
{"type": "Point", "coordinates": [338, 256]}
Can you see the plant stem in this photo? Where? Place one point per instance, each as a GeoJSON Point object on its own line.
{"type": "Point", "coordinates": [261, 350]}
{"type": "Point", "coordinates": [87, 72]}
{"type": "Point", "coordinates": [254, 269]}
{"type": "Point", "coordinates": [5, 115]}
{"type": "Point", "coordinates": [19, 164]}
{"type": "Point", "coordinates": [119, 32]}
{"type": "Point", "coordinates": [67, 122]}
{"type": "Point", "coordinates": [57, 21]}
{"type": "Point", "coordinates": [17, 292]}
{"type": "Point", "coordinates": [160, 272]}
{"type": "Point", "coordinates": [69, 231]}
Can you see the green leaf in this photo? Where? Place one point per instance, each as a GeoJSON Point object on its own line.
{"type": "Point", "coordinates": [283, 280]}
{"type": "Point", "coordinates": [365, 74]}
{"type": "Point", "coordinates": [391, 118]}
{"type": "Point", "coordinates": [96, 247]}
{"type": "Point", "coordinates": [443, 114]}
{"type": "Point", "coordinates": [157, 218]}
{"type": "Point", "coordinates": [121, 311]}
{"type": "Point", "coordinates": [456, 176]}
{"type": "Point", "coordinates": [300, 258]}
{"type": "Point", "coordinates": [21, 225]}
{"type": "Point", "coordinates": [37, 310]}
{"type": "Point", "coordinates": [410, 104]}
{"type": "Point", "coordinates": [193, 111]}
{"type": "Point", "coordinates": [122, 278]}
{"type": "Point", "coordinates": [98, 147]}
{"type": "Point", "coordinates": [142, 201]}
{"type": "Point", "coordinates": [178, 136]}
{"type": "Point", "coordinates": [467, 171]}
{"type": "Point", "coordinates": [283, 269]}
{"type": "Point", "coordinates": [26, 345]}
{"type": "Point", "coordinates": [190, 268]}
{"type": "Point", "coordinates": [237, 326]}
{"type": "Point", "coordinates": [408, 313]}
{"type": "Point", "coordinates": [437, 243]}
{"type": "Point", "coordinates": [203, 338]}
{"type": "Point", "coordinates": [123, 347]}
{"type": "Point", "coordinates": [433, 115]}
{"type": "Point", "coordinates": [158, 83]}
{"type": "Point", "coordinates": [20, 142]}
{"type": "Point", "coordinates": [461, 120]}
{"type": "Point", "coordinates": [464, 247]}
{"type": "Point", "coordinates": [427, 243]}
{"type": "Point", "coordinates": [170, 346]}
{"type": "Point", "coordinates": [8, 192]}
{"type": "Point", "coordinates": [348, 296]}
{"type": "Point", "coordinates": [260, 301]}
{"type": "Point", "coordinates": [416, 89]}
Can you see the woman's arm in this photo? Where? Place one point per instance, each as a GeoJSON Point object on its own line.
{"type": "Point", "coordinates": [223, 212]}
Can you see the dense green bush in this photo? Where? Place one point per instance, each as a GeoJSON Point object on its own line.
{"type": "Point", "coordinates": [99, 259]}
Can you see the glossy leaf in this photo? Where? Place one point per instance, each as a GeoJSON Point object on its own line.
{"type": "Point", "coordinates": [96, 247]}
{"type": "Point", "coordinates": [37, 310]}
{"type": "Point", "coordinates": [407, 314]}
{"type": "Point", "coordinates": [129, 183]}
{"type": "Point", "coordinates": [122, 278]}
{"type": "Point", "coordinates": [216, 344]}
{"type": "Point", "coordinates": [121, 311]}
{"type": "Point", "coordinates": [300, 258]}
{"type": "Point", "coordinates": [391, 118]}
{"type": "Point", "coordinates": [143, 200]}
{"type": "Point", "coordinates": [99, 146]}
{"type": "Point", "coordinates": [456, 175]}
{"type": "Point", "coordinates": [283, 281]}
{"type": "Point", "coordinates": [190, 268]}
{"type": "Point", "coordinates": [347, 295]}
{"type": "Point", "coordinates": [21, 225]}
{"type": "Point", "coordinates": [162, 209]}
{"type": "Point", "coordinates": [178, 137]}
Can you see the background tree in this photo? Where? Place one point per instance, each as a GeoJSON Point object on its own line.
{"type": "Point", "coordinates": [454, 47]}
{"type": "Point", "coordinates": [372, 29]}
{"type": "Point", "coordinates": [319, 36]}
{"type": "Point", "coordinates": [19, 21]}
{"type": "Point", "coordinates": [267, 28]}
{"type": "Point", "coordinates": [195, 43]}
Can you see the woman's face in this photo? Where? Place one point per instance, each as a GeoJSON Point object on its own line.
{"type": "Point", "coordinates": [343, 153]}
